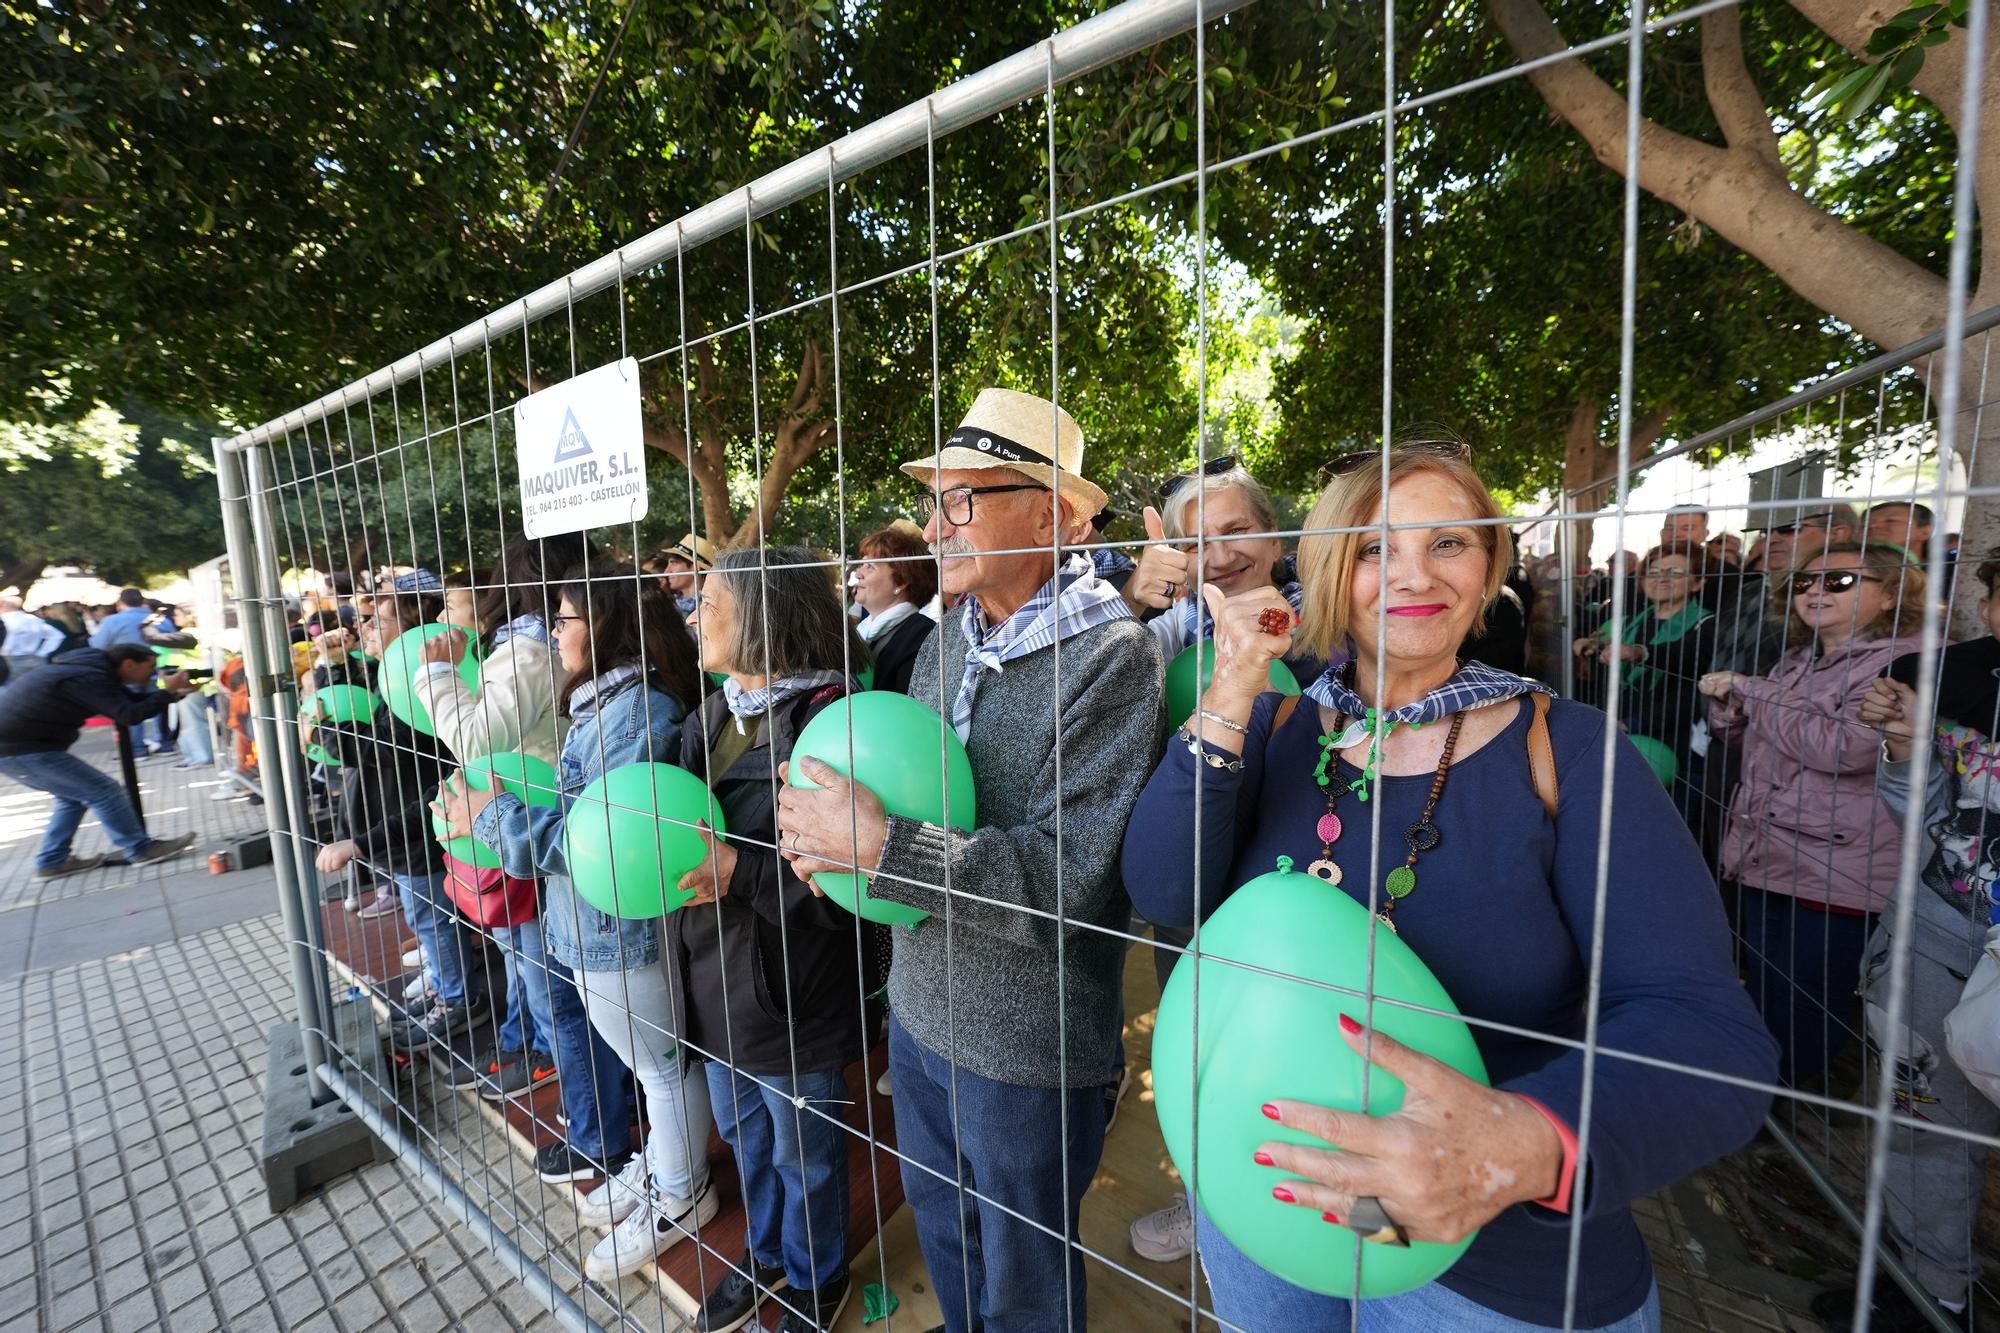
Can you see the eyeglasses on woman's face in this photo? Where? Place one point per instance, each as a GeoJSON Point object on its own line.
{"type": "Point", "coordinates": [956, 503]}
{"type": "Point", "coordinates": [1665, 571]}
{"type": "Point", "coordinates": [1833, 580]}
{"type": "Point", "coordinates": [560, 623]}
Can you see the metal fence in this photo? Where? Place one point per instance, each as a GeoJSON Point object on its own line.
{"type": "Point", "coordinates": [389, 484]}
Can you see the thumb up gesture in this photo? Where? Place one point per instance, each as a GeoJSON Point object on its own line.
{"type": "Point", "coordinates": [1161, 578]}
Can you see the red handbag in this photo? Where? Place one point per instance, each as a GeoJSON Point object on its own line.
{"type": "Point", "coordinates": [490, 896]}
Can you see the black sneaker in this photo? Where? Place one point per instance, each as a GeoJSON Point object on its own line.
{"type": "Point", "coordinates": [443, 1022]}
{"type": "Point", "coordinates": [522, 1072]}
{"type": "Point", "coordinates": [558, 1162]}
{"type": "Point", "coordinates": [1114, 1093]}
{"type": "Point", "coordinates": [732, 1303]}
{"type": "Point", "coordinates": [463, 1072]}
{"type": "Point", "coordinates": [814, 1311]}
{"type": "Point", "coordinates": [494, 1072]}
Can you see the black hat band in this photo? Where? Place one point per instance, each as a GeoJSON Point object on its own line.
{"type": "Point", "coordinates": [998, 446]}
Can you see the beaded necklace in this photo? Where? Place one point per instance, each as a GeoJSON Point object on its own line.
{"type": "Point", "coordinates": [1421, 836]}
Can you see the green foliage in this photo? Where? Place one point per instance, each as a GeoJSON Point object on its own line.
{"type": "Point", "coordinates": [1897, 48]}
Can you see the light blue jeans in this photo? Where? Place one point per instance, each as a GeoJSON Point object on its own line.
{"type": "Point", "coordinates": [1248, 1297]}
{"type": "Point", "coordinates": [77, 786]}
{"type": "Point", "coordinates": [194, 742]}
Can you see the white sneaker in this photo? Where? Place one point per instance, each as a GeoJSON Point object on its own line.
{"type": "Point", "coordinates": [883, 1086]}
{"type": "Point", "coordinates": [617, 1198]}
{"type": "Point", "coordinates": [1166, 1235]}
{"type": "Point", "coordinates": [415, 990]}
{"type": "Point", "coordinates": [649, 1232]}
{"type": "Point", "coordinates": [412, 958]}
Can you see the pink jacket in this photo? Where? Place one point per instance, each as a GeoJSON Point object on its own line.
{"type": "Point", "coordinates": [1805, 820]}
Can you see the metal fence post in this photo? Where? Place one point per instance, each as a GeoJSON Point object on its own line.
{"type": "Point", "coordinates": [270, 681]}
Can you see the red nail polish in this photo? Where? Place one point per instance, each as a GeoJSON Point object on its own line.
{"type": "Point", "coordinates": [1282, 1195]}
{"type": "Point", "coordinates": [1329, 1217]}
{"type": "Point", "coordinates": [1270, 1112]}
{"type": "Point", "coordinates": [1262, 1158]}
{"type": "Point", "coordinates": [1349, 1025]}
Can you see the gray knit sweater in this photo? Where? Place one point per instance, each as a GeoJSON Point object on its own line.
{"type": "Point", "coordinates": [991, 977]}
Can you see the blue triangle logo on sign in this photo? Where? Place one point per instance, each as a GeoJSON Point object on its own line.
{"type": "Point", "coordinates": [572, 443]}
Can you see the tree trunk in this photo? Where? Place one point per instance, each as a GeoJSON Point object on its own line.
{"type": "Point", "coordinates": [1590, 465]}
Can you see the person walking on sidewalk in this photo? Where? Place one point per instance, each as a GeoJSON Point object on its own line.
{"type": "Point", "coordinates": [41, 717]}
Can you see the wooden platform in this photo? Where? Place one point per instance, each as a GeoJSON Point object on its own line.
{"type": "Point", "coordinates": [1134, 1177]}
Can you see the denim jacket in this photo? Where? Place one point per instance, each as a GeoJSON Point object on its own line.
{"type": "Point", "coordinates": [628, 722]}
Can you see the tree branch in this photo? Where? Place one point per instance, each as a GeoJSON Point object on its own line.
{"type": "Point", "coordinates": [1732, 93]}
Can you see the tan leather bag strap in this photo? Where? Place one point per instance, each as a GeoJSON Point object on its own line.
{"type": "Point", "coordinates": [1542, 753]}
{"type": "Point", "coordinates": [1284, 714]}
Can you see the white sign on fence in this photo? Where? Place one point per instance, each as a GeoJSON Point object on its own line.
{"type": "Point", "coordinates": [582, 452]}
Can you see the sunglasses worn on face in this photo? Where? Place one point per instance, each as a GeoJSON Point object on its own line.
{"type": "Point", "coordinates": [1348, 464]}
{"type": "Point", "coordinates": [1834, 580]}
{"type": "Point", "coordinates": [1214, 467]}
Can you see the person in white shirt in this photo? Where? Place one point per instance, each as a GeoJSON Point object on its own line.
{"type": "Point", "coordinates": [30, 639]}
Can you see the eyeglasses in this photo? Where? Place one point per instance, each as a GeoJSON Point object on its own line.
{"type": "Point", "coordinates": [365, 620]}
{"type": "Point", "coordinates": [1834, 580]}
{"type": "Point", "coordinates": [1214, 467]}
{"type": "Point", "coordinates": [1347, 464]}
{"type": "Point", "coordinates": [958, 501]}
{"type": "Point", "coordinates": [558, 623]}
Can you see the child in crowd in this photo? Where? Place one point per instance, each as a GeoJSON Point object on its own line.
{"type": "Point", "coordinates": [632, 679]}
{"type": "Point", "coordinates": [768, 968]}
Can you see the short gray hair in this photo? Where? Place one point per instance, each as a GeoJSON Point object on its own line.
{"type": "Point", "coordinates": [1237, 478]}
{"type": "Point", "coordinates": [788, 614]}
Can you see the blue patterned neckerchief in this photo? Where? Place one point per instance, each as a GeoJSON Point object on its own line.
{"type": "Point", "coordinates": [1193, 609]}
{"type": "Point", "coordinates": [1474, 685]}
{"type": "Point", "coordinates": [1073, 601]}
{"type": "Point", "coordinates": [584, 700]}
{"type": "Point", "coordinates": [755, 703]}
{"type": "Point", "coordinates": [527, 626]}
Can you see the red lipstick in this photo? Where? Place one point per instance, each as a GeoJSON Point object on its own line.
{"type": "Point", "coordinates": [1426, 609]}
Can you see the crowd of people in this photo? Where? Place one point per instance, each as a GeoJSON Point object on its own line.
{"type": "Point", "coordinates": [1764, 734]}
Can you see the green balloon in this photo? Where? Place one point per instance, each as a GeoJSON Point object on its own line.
{"type": "Point", "coordinates": [867, 677]}
{"type": "Point", "coordinates": [1267, 1036]}
{"type": "Point", "coordinates": [397, 674]}
{"type": "Point", "coordinates": [343, 703]}
{"type": "Point", "coordinates": [1659, 757]}
{"type": "Point", "coordinates": [1183, 694]}
{"type": "Point", "coordinates": [319, 754]}
{"type": "Point", "coordinates": [531, 779]}
{"type": "Point", "coordinates": [630, 836]}
{"type": "Point", "coordinates": [904, 753]}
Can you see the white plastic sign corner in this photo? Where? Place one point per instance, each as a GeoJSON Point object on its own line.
{"type": "Point", "coordinates": [581, 449]}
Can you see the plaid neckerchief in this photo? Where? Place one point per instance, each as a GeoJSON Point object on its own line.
{"type": "Point", "coordinates": [584, 699]}
{"type": "Point", "coordinates": [1476, 685]}
{"type": "Point", "coordinates": [529, 626]}
{"type": "Point", "coordinates": [1073, 601]}
{"type": "Point", "coordinates": [1193, 610]}
{"type": "Point", "coordinates": [755, 703]}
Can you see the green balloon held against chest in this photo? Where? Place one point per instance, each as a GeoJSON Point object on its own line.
{"type": "Point", "coordinates": [342, 703]}
{"type": "Point", "coordinates": [523, 775]}
{"type": "Point", "coordinates": [630, 836]}
{"type": "Point", "coordinates": [903, 752]}
{"type": "Point", "coordinates": [1183, 694]}
{"type": "Point", "coordinates": [1268, 1036]}
{"type": "Point", "coordinates": [396, 676]}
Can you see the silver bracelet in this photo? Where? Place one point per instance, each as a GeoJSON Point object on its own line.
{"type": "Point", "coordinates": [1212, 760]}
{"type": "Point", "coordinates": [1221, 721]}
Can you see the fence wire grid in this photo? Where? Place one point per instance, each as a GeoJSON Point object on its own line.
{"type": "Point", "coordinates": [509, 1067]}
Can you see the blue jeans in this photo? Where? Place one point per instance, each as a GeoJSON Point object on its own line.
{"type": "Point", "coordinates": [77, 787]}
{"type": "Point", "coordinates": [1248, 1297]}
{"type": "Point", "coordinates": [1803, 968]}
{"type": "Point", "coordinates": [447, 942]}
{"type": "Point", "coordinates": [794, 1165]}
{"type": "Point", "coordinates": [526, 1022]}
{"type": "Point", "coordinates": [194, 742]}
{"type": "Point", "coordinates": [992, 1271]}
{"type": "Point", "coordinates": [544, 1003]}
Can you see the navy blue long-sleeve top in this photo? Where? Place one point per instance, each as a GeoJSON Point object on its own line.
{"type": "Point", "coordinates": [1503, 913]}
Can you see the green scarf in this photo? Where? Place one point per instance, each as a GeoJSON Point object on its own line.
{"type": "Point", "coordinates": [1649, 631]}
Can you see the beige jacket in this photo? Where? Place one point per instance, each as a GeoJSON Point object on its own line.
{"type": "Point", "coordinates": [515, 708]}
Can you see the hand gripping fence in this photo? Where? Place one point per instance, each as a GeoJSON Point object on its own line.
{"type": "Point", "coordinates": [399, 480]}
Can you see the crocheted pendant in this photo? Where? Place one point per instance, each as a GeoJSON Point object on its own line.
{"type": "Point", "coordinates": [1325, 871]}
{"type": "Point", "coordinates": [1329, 828]}
{"type": "Point", "coordinates": [1401, 883]}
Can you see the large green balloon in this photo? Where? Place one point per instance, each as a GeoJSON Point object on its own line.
{"type": "Point", "coordinates": [397, 674]}
{"type": "Point", "coordinates": [1266, 1036]}
{"type": "Point", "coordinates": [319, 754]}
{"type": "Point", "coordinates": [630, 836]}
{"type": "Point", "coordinates": [907, 756]}
{"type": "Point", "coordinates": [343, 703]}
{"type": "Point", "coordinates": [1182, 693]}
{"type": "Point", "coordinates": [1659, 757]}
{"type": "Point", "coordinates": [531, 779]}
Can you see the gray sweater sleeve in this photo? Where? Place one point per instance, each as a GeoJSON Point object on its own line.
{"type": "Point", "coordinates": [1005, 880]}
{"type": "Point", "coordinates": [1892, 785]}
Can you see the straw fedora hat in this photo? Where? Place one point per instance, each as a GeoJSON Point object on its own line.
{"type": "Point", "coordinates": [1022, 432]}
{"type": "Point", "coordinates": [697, 551]}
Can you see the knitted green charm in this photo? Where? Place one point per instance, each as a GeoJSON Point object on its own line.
{"type": "Point", "coordinates": [1402, 880]}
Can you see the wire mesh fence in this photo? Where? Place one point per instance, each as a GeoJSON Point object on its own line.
{"type": "Point", "coordinates": [818, 1044]}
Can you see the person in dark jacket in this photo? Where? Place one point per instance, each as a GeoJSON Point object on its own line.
{"type": "Point", "coordinates": [41, 716]}
{"type": "Point", "coordinates": [766, 966]}
{"type": "Point", "coordinates": [897, 580]}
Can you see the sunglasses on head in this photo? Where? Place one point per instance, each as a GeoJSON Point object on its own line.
{"type": "Point", "coordinates": [1214, 467]}
{"type": "Point", "coordinates": [1834, 580]}
{"type": "Point", "coordinates": [1348, 464]}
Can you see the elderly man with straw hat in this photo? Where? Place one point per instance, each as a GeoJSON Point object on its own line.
{"type": "Point", "coordinates": [681, 567]}
{"type": "Point", "coordinates": [1004, 1002]}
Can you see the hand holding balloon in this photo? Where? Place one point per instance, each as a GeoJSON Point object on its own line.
{"type": "Point", "coordinates": [834, 828]}
{"type": "Point", "coordinates": [446, 647]}
{"type": "Point", "coordinates": [458, 804]}
{"type": "Point", "coordinates": [709, 880]}
{"type": "Point", "coordinates": [1453, 1157]}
